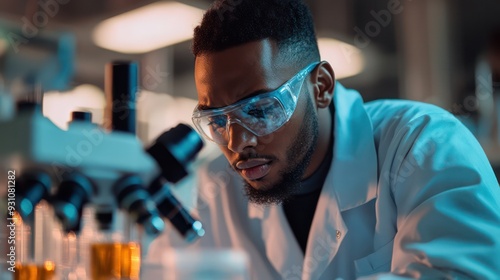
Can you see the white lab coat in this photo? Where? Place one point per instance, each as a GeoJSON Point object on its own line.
{"type": "Point", "coordinates": [409, 192]}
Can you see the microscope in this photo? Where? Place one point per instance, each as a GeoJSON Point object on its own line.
{"type": "Point", "coordinates": [78, 201]}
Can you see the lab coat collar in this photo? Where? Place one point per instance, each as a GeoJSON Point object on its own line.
{"type": "Point", "coordinates": [355, 164]}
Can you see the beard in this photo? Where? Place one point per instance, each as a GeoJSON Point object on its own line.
{"type": "Point", "coordinates": [298, 156]}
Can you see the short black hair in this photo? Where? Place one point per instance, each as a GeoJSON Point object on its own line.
{"type": "Point", "coordinates": [228, 23]}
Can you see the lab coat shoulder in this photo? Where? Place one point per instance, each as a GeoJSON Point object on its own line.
{"type": "Point", "coordinates": [391, 119]}
{"type": "Point", "coordinates": [443, 192]}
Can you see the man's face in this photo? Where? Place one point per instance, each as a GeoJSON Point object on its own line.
{"type": "Point", "coordinates": [272, 165]}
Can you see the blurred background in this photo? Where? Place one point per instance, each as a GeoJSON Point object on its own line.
{"type": "Point", "coordinates": [438, 51]}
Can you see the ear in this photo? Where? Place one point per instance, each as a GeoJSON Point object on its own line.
{"type": "Point", "coordinates": [323, 79]}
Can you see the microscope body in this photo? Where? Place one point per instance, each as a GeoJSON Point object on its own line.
{"type": "Point", "coordinates": [59, 175]}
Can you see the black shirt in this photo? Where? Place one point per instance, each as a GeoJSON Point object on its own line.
{"type": "Point", "coordinates": [299, 210]}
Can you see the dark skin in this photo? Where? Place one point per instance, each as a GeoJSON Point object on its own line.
{"type": "Point", "coordinates": [225, 77]}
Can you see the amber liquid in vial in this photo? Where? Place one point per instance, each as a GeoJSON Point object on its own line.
{"type": "Point", "coordinates": [29, 271]}
{"type": "Point", "coordinates": [115, 261]}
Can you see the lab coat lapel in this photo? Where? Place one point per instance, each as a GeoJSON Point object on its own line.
{"type": "Point", "coordinates": [326, 234]}
{"type": "Point", "coordinates": [282, 249]}
{"type": "Point", "coordinates": [350, 182]}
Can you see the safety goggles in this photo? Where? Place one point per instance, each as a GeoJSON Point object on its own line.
{"type": "Point", "coordinates": [262, 114]}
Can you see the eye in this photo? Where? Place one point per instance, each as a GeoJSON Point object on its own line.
{"type": "Point", "coordinates": [261, 109]}
{"type": "Point", "coordinates": [217, 122]}
{"type": "Point", "coordinates": [257, 113]}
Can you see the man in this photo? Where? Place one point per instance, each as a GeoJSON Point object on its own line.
{"type": "Point", "coordinates": [320, 185]}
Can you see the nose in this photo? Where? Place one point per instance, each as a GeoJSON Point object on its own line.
{"type": "Point", "coordinates": [240, 138]}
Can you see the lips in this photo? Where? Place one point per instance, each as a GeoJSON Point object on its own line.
{"type": "Point", "coordinates": [254, 169]}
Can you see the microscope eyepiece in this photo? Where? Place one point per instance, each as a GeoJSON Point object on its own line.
{"type": "Point", "coordinates": [174, 150]}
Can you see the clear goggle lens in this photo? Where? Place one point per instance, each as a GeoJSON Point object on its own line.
{"type": "Point", "coordinates": [261, 118]}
